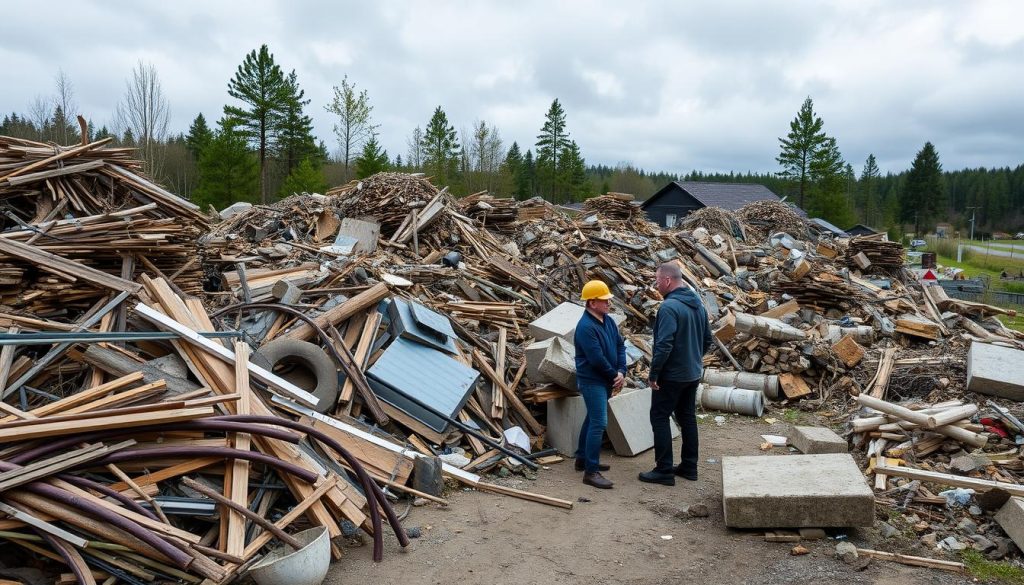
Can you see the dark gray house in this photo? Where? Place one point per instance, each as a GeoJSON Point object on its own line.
{"type": "Point", "coordinates": [862, 230]}
{"type": "Point", "coordinates": [676, 200]}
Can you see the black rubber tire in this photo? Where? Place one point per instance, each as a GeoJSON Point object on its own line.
{"type": "Point", "coordinates": [313, 359]}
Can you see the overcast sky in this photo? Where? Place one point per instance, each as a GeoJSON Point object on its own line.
{"type": "Point", "coordinates": [673, 86]}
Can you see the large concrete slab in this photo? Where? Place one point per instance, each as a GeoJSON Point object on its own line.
{"type": "Point", "coordinates": [561, 322]}
{"type": "Point", "coordinates": [559, 364]}
{"type": "Point", "coordinates": [1011, 518]}
{"type": "Point", "coordinates": [996, 370]}
{"type": "Point", "coordinates": [565, 417]}
{"type": "Point", "coordinates": [795, 491]}
{"type": "Point", "coordinates": [816, 440]}
{"type": "Point", "coordinates": [534, 355]}
{"type": "Point", "coordinates": [629, 422]}
{"type": "Point", "coordinates": [558, 322]}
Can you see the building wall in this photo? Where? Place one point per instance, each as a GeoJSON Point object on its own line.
{"type": "Point", "coordinates": [674, 202]}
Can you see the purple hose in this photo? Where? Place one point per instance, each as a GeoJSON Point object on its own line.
{"type": "Point", "coordinates": [225, 452]}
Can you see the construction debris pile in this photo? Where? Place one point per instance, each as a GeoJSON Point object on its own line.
{"type": "Point", "coordinates": [181, 391]}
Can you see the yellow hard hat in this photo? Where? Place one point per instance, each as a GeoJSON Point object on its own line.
{"type": "Point", "coordinates": [595, 289]}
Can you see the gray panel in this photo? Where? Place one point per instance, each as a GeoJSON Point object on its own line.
{"type": "Point", "coordinates": [403, 324]}
{"type": "Point", "coordinates": [433, 321]}
{"type": "Point", "coordinates": [407, 368]}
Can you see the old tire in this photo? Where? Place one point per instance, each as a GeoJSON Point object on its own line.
{"type": "Point", "coordinates": [310, 363]}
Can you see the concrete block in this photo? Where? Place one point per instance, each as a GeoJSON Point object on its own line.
{"type": "Point", "coordinates": [1011, 519]}
{"type": "Point", "coordinates": [565, 417]}
{"type": "Point", "coordinates": [816, 440]}
{"type": "Point", "coordinates": [561, 322]}
{"type": "Point", "coordinates": [558, 322]}
{"type": "Point", "coordinates": [996, 370]}
{"type": "Point", "coordinates": [559, 364]}
{"type": "Point", "coordinates": [795, 491]}
{"type": "Point", "coordinates": [534, 355]}
{"type": "Point", "coordinates": [629, 422]}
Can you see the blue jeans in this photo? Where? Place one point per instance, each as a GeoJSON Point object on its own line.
{"type": "Point", "coordinates": [595, 396]}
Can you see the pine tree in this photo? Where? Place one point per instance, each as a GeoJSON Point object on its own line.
{"type": "Point", "coordinates": [306, 177]}
{"type": "Point", "coordinates": [513, 167]}
{"type": "Point", "coordinates": [574, 175]}
{"type": "Point", "coordinates": [552, 142]}
{"type": "Point", "coordinates": [923, 198]}
{"type": "Point", "coordinates": [371, 160]}
{"type": "Point", "coordinates": [869, 191]}
{"type": "Point", "coordinates": [228, 171]}
{"type": "Point", "coordinates": [799, 149]}
{"type": "Point", "coordinates": [295, 141]}
{"type": "Point", "coordinates": [199, 136]}
{"type": "Point", "coordinates": [398, 162]}
{"type": "Point", "coordinates": [528, 187]}
{"type": "Point", "coordinates": [441, 150]}
{"type": "Point", "coordinates": [262, 86]}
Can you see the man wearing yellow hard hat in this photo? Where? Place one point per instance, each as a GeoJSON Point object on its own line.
{"type": "Point", "coordinates": [600, 370]}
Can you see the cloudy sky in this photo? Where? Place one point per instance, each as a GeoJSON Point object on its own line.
{"type": "Point", "coordinates": [673, 86]}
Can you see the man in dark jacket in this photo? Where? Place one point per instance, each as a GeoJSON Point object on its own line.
{"type": "Point", "coordinates": [682, 336]}
{"type": "Point", "coordinates": [600, 370]}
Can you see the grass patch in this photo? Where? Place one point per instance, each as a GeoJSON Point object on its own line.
{"type": "Point", "coordinates": [792, 415]}
{"type": "Point", "coordinates": [1015, 323]}
{"type": "Point", "coordinates": [986, 570]}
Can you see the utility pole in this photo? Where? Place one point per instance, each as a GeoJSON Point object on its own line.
{"type": "Point", "coordinates": [974, 210]}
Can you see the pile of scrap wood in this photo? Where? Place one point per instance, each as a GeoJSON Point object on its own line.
{"type": "Point", "coordinates": [342, 300]}
{"type": "Point", "coordinates": [614, 206]}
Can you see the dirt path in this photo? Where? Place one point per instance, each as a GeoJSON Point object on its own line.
{"type": "Point", "coordinates": [614, 536]}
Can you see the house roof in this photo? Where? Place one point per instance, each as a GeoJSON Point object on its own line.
{"type": "Point", "coordinates": [863, 228]}
{"type": "Point", "coordinates": [827, 226]}
{"type": "Point", "coordinates": [730, 196]}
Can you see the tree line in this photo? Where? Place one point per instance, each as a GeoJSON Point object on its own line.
{"type": "Point", "coordinates": [262, 148]}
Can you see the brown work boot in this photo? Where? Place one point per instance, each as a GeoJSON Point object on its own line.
{"type": "Point", "coordinates": [597, 480]}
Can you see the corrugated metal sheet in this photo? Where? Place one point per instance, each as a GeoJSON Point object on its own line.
{"type": "Point", "coordinates": [407, 368]}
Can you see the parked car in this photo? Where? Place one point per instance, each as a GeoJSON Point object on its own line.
{"type": "Point", "coordinates": [1019, 236]}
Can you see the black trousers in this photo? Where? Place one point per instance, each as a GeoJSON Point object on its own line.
{"type": "Point", "coordinates": [678, 398]}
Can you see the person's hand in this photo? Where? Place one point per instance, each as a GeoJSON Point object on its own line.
{"type": "Point", "coordinates": [653, 384]}
{"type": "Point", "coordinates": [618, 381]}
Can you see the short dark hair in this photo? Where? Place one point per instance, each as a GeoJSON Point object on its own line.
{"type": "Point", "coordinates": [671, 270]}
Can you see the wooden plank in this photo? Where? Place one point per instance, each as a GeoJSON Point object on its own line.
{"type": "Point", "coordinates": [238, 488]}
{"type": "Point", "coordinates": [793, 385]}
{"type": "Point", "coordinates": [951, 480]}
{"type": "Point", "coordinates": [951, 566]}
{"type": "Point", "coordinates": [497, 394]}
{"type": "Point", "coordinates": [379, 460]}
{"type": "Point", "coordinates": [168, 472]}
{"type": "Point", "coordinates": [361, 302]}
{"type": "Point", "coordinates": [848, 351]}
{"type": "Point", "coordinates": [790, 306]}
{"type": "Point", "coordinates": [45, 428]}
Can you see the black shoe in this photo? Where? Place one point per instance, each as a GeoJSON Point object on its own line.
{"type": "Point", "coordinates": [657, 477]}
{"type": "Point", "coordinates": [690, 475]}
{"type": "Point", "coordinates": [597, 480]}
{"type": "Point", "coordinates": [580, 466]}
